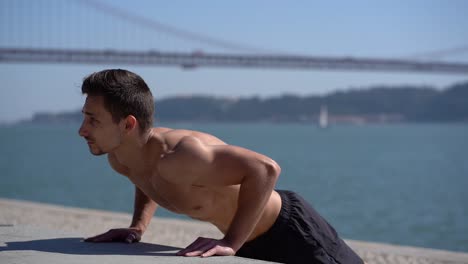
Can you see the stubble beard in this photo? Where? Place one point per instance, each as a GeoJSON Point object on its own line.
{"type": "Point", "coordinates": [93, 147]}
{"type": "Point", "coordinates": [96, 151]}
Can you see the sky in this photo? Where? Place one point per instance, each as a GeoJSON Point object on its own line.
{"type": "Point", "coordinates": [377, 29]}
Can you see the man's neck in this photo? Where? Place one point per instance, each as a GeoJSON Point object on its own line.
{"type": "Point", "coordinates": [134, 152]}
{"type": "Point", "coordinates": [131, 151]}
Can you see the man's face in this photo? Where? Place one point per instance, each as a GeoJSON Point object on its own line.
{"type": "Point", "coordinates": [98, 128]}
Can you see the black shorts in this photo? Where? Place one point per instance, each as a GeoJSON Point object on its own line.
{"type": "Point", "coordinates": [299, 235]}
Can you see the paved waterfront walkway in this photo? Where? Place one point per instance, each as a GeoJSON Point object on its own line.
{"type": "Point", "coordinates": [40, 233]}
{"type": "Point", "coordinates": [31, 245]}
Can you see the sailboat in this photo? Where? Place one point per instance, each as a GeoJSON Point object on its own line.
{"type": "Point", "coordinates": [323, 117]}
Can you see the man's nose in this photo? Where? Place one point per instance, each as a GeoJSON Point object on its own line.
{"type": "Point", "coordinates": [82, 131]}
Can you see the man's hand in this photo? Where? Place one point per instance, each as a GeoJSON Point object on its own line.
{"type": "Point", "coordinates": [206, 247]}
{"type": "Point", "coordinates": [127, 235]}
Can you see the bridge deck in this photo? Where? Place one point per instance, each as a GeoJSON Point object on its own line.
{"type": "Point", "coordinates": [192, 60]}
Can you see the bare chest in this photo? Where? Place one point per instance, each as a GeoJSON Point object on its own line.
{"type": "Point", "coordinates": [194, 201]}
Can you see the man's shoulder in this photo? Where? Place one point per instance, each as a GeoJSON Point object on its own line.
{"type": "Point", "coordinates": [173, 136]}
{"type": "Point", "coordinates": [161, 130]}
{"type": "Point", "coordinates": [166, 132]}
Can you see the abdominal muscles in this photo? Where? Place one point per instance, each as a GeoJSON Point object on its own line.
{"type": "Point", "coordinates": [216, 205]}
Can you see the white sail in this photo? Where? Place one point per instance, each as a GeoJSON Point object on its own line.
{"type": "Point", "coordinates": [323, 117]}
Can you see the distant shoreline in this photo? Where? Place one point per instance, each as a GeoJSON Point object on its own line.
{"type": "Point", "coordinates": [378, 104]}
{"type": "Point", "coordinates": [191, 122]}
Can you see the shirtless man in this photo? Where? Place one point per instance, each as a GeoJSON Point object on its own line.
{"type": "Point", "coordinates": [199, 175]}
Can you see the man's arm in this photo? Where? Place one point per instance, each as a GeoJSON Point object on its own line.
{"type": "Point", "coordinates": [143, 211]}
{"type": "Point", "coordinates": [143, 206]}
{"type": "Point", "coordinates": [224, 165]}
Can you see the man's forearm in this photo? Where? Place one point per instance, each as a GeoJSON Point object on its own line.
{"type": "Point", "coordinates": [143, 211]}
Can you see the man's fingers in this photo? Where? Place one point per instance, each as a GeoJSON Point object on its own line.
{"type": "Point", "coordinates": [194, 253]}
{"type": "Point", "coordinates": [98, 239]}
{"type": "Point", "coordinates": [211, 252]}
{"type": "Point", "coordinates": [132, 237]}
{"type": "Point", "coordinates": [94, 238]}
{"type": "Point", "coordinates": [206, 247]}
{"type": "Point", "coordinates": [189, 247]}
{"type": "Point", "coordinates": [106, 237]}
{"type": "Point", "coordinates": [109, 236]}
{"type": "Point", "coordinates": [91, 239]}
{"type": "Point", "coordinates": [200, 250]}
{"type": "Point", "coordinates": [219, 251]}
{"type": "Point", "coordinates": [117, 235]}
{"type": "Point", "coordinates": [195, 246]}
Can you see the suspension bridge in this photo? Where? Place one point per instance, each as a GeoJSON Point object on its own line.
{"type": "Point", "coordinates": [30, 31]}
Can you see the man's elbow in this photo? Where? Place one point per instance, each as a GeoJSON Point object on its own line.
{"type": "Point", "coordinates": [273, 170]}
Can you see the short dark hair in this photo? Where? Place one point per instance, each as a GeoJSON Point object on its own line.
{"type": "Point", "coordinates": [125, 93]}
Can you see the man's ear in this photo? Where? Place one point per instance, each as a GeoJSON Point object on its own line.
{"type": "Point", "coordinates": [130, 123]}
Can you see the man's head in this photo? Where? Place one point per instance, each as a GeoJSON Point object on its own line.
{"type": "Point", "coordinates": [117, 101]}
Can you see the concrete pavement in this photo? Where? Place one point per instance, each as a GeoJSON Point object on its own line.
{"type": "Point", "coordinates": [32, 245]}
{"type": "Point", "coordinates": [42, 233]}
